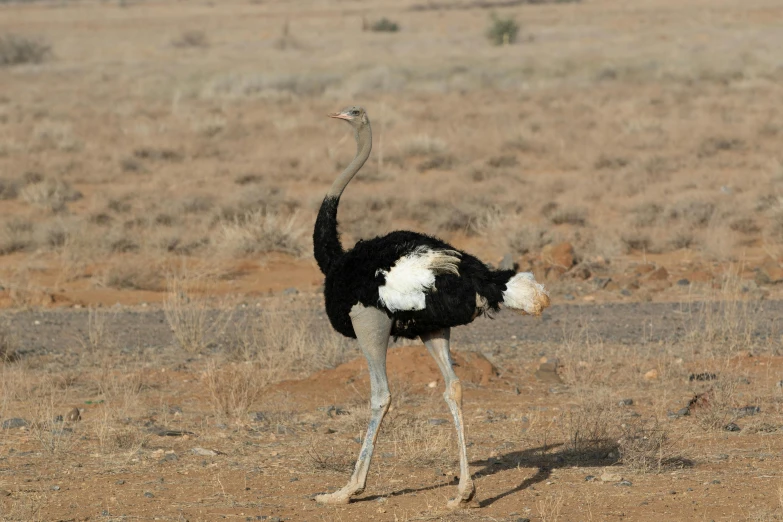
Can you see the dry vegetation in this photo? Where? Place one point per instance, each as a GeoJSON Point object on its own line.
{"type": "Point", "coordinates": [179, 153]}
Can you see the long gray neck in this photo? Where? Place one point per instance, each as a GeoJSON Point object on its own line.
{"type": "Point", "coordinates": [363, 148]}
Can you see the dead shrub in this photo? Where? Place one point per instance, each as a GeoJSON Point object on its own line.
{"type": "Point", "coordinates": [694, 212]}
{"type": "Point", "coordinates": [196, 321]}
{"type": "Point", "coordinates": [192, 38]}
{"type": "Point", "coordinates": [422, 145]}
{"type": "Point", "coordinates": [745, 225]}
{"type": "Point", "coordinates": [16, 235]}
{"type": "Point", "coordinates": [8, 342]}
{"type": "Point", "coordinates": [646, 214]}
{"type": "Point", "coordinates": [51, 194]}
{"type": "Point", "coordinates": [569, 216]}
{"type": "Point", "coordinates": [234, 387]}
{"type": "Point", "coordinates": [589, 431]}
{"type": "Point", "coordinates": [719, 406]}
{"type": "Point", "coordinates": [18, 50]}
{"type": "Point", "coordinates": [610, 162]}
{"type": "Point", "coordinates": [417, 443]}
{"type": "Point", "coordinates": [9, 189]}
{"type": "Point", "coordinates": [288, 343]}
{"type": "Point", "coordinates": [261, 232]}
{"type": "Point", "coordinates": [323, 458]}
{"type": "Point", "coordinates": [131, 275]}
{"type": "Point", "coordinates": [711, 146]}
{"type": "Point", "coordinates": [645, 446]}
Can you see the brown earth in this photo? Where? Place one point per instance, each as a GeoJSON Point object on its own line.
{"type": "Point", "coordinates": [627, 153]}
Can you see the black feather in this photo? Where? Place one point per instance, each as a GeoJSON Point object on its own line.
{"type": "Point", "coordinates": [326, 238]}
{"type": "Point", "coordinates": [354, 277]}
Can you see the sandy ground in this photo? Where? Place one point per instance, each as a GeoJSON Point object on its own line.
{"type": "Point", "coordinates": [160, 171]}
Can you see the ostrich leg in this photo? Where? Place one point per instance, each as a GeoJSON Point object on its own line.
{"type": "Point", "coordinates": [438, 345]}
{"type": "Point", "coordinates": [372, 327]}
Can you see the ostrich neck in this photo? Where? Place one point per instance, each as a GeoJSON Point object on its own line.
{"type": "Point", "coordinates": [363, 147]}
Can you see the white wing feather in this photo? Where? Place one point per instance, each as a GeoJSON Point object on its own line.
{"type": "Point", "coordinates": [412, 275]}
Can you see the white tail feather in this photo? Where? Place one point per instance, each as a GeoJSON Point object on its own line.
{"type": "Point", "coordinates": [525, 294]}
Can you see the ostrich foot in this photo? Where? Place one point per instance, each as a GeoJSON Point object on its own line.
{"type": "Point", "coordinates": [341, 496]}
{"type": "Point", "coordinates": [465, 498]}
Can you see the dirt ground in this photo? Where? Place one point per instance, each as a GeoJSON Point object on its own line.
{"type": "Point", "coordinates": [163, 348]}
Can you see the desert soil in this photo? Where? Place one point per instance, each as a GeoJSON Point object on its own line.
{"type": "Point", "coordinates": [163, 349]}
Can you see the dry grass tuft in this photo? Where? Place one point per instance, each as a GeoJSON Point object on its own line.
{"type": "Point", "coordinates": [569, 216]}
{"type": "Point", "coordinates": [196, 321]}
{"type": "Point", "coordinates": [261, 232]}
{"type": "Point", "coordinates": [589, 431]}
{"type": "Point", "coordinates": [51, 194]}
{"type": "Point", "coordinates": [234, 387]}
{"type": "Point", "coordinates": [645, 446]}
{"type": "Point", "coordinates": [422, 145]}
{"type": "Point", "coordinates": [8, 342]}
{"type": "Point", "coordinates": [192, 38]}
{"type": "Point", "coordinates": [18, 50]}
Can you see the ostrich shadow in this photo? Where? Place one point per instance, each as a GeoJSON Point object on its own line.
{"type": "Point", "coordinates": [600, 453]}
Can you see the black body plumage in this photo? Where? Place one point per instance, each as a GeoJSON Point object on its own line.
{"type": "Point", "coordinates": [356, 275]}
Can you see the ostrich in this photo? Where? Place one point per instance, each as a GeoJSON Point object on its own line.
{"type": "Point", "coordinates": [406, 284]}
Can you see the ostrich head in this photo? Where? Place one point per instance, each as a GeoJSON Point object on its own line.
{"type": "Point", "coordinates": [356, 116]}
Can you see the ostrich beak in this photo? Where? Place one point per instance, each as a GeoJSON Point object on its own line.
{"type": "Point", "coordinates": [339, 115]}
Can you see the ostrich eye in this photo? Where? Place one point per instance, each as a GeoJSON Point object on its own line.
{"type": "Point", "coordinates": [354, 112]}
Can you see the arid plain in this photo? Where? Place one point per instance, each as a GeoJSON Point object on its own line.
{"type": "Point", "coordinates": [164, 350]}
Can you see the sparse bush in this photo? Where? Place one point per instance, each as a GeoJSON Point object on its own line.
{"type": "Point", "coordinates": [711, 146]}
{"type": "Point", "coordinates": [191, 38]}
{"type": "Point", "coordinates": [8, 342]}
{"type": "Point", "coordinates": [421, 145]}
{"type": "Point", "coordinates": [195, 322]}
{"type": "Point", "coordinates": [260, 232]}
{"type": "Point", "coordinates": [745, 225]}
{"type": "Point", "coordinates": [436, 162]}
{"type": "Point", "coordinates": [234, 387]}
{"type": "Point", "coordinates": [610, 162]}
{"type": "Point", "coordinates": [17, 50]}
{"type": "Point", "coordinates": [589, 431]}
{"type": "Point", "coordinates": [52, 194]}
{"type": "Point", "coordinates": [502, 31]}
{"type": "Point", "coordinates": [384, 25]}
{"type": "Point", "coordinates": [645, 446]}
{"type": "Point", "coordinates": [8, 189]}
{"type": "Point", "coordinates": [695, 213]}
{"type": "Point", "coordinates": [15, 236]}
{"type": "Point", "coordinates": [134, 276]}
{"type": "Point", "coordinates": [646, 214]}
{"type": "Point", "coordinates": [635, 240]}
{"type": "Point", "coordinates": [570, 216]}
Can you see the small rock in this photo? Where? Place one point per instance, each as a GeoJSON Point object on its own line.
{"type": "Point", "coordinates": [293, 479]}
{"type": "Point", "coordinates": [55, 488]}
{"type": "Point", "coordinates": [290, 291]}
{"type": "Point", "coordinates": [626, 292]}
{"type": "Point", "coordinates": [601, 282]}
{"type": "Point", "coordinates": [568, 297]}
{"type": "Point", "coordinates": [169, 457]}
{"type": "Point", "coordinates": [149, 494]}
{"type": "Point", "coordinates": [716, 481]}
{"type": "Point", "coordinates": [683, 282]}
{"type": "Point", "coordinates": [120, 482]}
{"type": "Point", "coordinates": [203, 452]}
{"type": "Point", "coordinates": [16, 422]}
{"type": "Point", "coordinates": [625, 402]}
{"type": "Point", "coordinates": [437, 422]}
{"type": "Point", "coordinates": [626, 483]}
{"type": "Point", "coordinates": [651, 375]}
{"type": "Point", "coordinates": [326, 430]}
{"type": "Point", "coordinates": [432, 384]}
{"type": "Point", "coordinates": [5, 493]}
{"type": "Point", "coordinates": [175, 410]}
{"type": "Point", "coordinates": [73, 415]}
{"type": "Point", "coordinates": [732, 427]}
{"type": "Point", "coordinates": [611, 477]}
{"type": "Point", "coordinates": [589, 478]}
